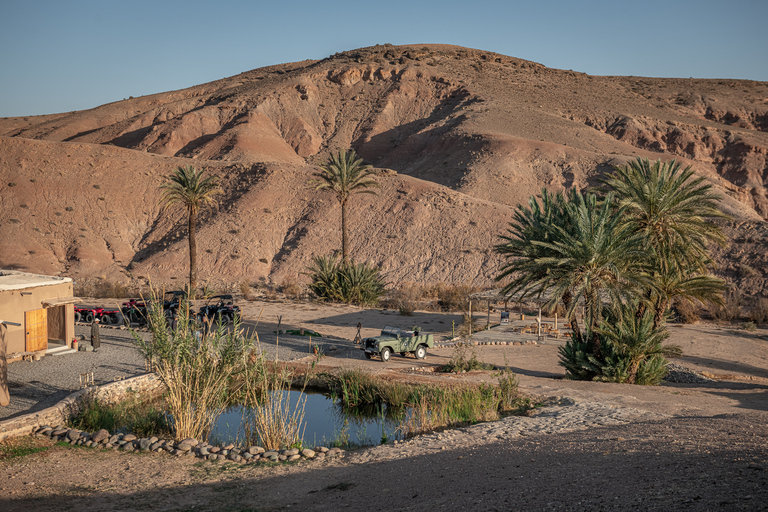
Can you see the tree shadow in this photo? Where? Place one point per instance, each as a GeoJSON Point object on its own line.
{"type": "Point", "coordinates": [646, 471]}
{"type": "Point", "coordinates": [727, 366]}
{"type": "Point", "coordinates": [756, 400]}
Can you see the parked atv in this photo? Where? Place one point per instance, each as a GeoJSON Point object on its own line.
{"type": "Point", "coordinates": [87, 314]}
{"type": "Point", "coordinates": [397, 340]}
{"type": "Point", "coordinates": [171, 304]}
{"type": "Point", "coordinates": [220, 309]}
{"type": "Point", "coordinates": [134, 311]}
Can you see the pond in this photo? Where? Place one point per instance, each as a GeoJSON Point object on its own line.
{"type": "Point", "coordinates": [326, 423]}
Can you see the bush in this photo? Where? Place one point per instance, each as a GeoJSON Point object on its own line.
{"type": "Point", "coordinates": [197, 368]}
{"type": "Point", "coordinates": [455, 298]}
{"type": "Point", "coordinates": [732, 308]}
{"type": "Point", "coordinates": [630, 351]}
{"type": "Point", "coordinates": [291, 289]}
{"type": "Point", "coordinates": [686, 311]}
{"type": "Point", "coordinates": [759, 312]}
{"type": "Point", "coordinates": [345, 281]}
{"type": "Point", "coordinates": [464, 360]}
{"type": "Point", "coordinates": [406, 298]}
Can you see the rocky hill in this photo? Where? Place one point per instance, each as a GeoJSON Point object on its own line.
{"type": "Point", "coordinates": [460, 136]}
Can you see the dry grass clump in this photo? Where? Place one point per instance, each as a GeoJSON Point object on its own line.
{"type": "Point", "coordinates": [687, 312]}
{"type": "Point", "coordinates": [292, 289]}
{"type": "Point", "coordinates": [408, 297]}
{"type": "Point", "coordinates": [104, 289]}
{"type": "Point", "coordinates": [731, 310]}
{"type": "Point", "coordinates": [759, 312]}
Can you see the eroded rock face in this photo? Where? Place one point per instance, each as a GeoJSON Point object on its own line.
{"type": "Point", "coordinates": [461, 137]}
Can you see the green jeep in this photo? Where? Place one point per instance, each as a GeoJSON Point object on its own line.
{"type": "Point", "coordinates": [393, 339]}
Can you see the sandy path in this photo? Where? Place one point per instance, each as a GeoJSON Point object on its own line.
{"type": "Point", "coordinates": [602, 447]}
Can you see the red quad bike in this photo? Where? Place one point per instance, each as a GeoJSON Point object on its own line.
{"type": "Point", "coordinates": [87, 314]}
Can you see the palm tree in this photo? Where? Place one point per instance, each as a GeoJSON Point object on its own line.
{"type": "Point", "coordinates": [345, 174]}
{"type": "Point", "coordinates": [669, 283]}
{"type": "Point", "coordinates": [188, 187]}
{"type": "Point", "coordinates": [672, 209]}
{"type": "Point", "coordinates": [574, 248]}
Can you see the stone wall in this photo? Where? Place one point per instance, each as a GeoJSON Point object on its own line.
{"type": "Point", "coordinates": [144, 385]}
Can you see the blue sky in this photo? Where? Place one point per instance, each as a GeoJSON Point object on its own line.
{"type": "Point", "coordinates": [60, 56]}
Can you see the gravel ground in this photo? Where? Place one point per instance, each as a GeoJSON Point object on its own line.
{"type": "Point", "coordinates": [36, 385]}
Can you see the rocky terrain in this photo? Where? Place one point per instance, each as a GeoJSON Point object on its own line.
{"type": "Point", "coordinates": [460, 136]}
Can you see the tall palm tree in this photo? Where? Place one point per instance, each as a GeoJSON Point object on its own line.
{"type": "Point", "coordinates": [188, 187]}
{"type": "Point", "coordinates": [345, 174]}
{"type": "Point", "coordinates": [673, 210]}
{"type": "Point", "coordinates": [584, 254]}
{"type": "Point", "coordinates": [671, 207]}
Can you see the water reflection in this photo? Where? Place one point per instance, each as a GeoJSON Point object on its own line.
{"type": "Point", "coordinates": [326, 423]}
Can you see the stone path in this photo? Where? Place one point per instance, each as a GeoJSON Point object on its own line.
{"type": "Point", "coordinates": [560, 415]}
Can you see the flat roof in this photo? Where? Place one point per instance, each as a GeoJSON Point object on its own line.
{"type": "Point", "coordinates": [17, 280]}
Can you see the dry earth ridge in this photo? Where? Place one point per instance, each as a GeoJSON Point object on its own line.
{"type": "Point", "coordinates": [461, 136]}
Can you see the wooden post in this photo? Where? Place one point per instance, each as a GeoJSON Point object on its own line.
{"type": "Point", "coordinates": [538, 320]}
{"type": "Point", "coordinates": [488, 321]}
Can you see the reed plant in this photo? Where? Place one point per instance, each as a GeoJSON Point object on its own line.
{"type": "Point", "coordinates": [197, 367]}
{"type": "Point", "coordinates": [269, 417]}
{"type": "Point", "coordinates": [423, 407]}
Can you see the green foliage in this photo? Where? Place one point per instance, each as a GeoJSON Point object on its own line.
{"type": "Point", "coordinates": [345, 281]}
{"type": "Point", "coordinates": [191, 189]}
{"type": "Point", "coordinates": [645, 244]}
{"type": "Point", "coordinates": [345, 174]}
{"type": "Point", "coordinates": [141, 418]}
{"type": "Point", "coordinates": [423, 408]}
{"type": "Point", "coordinates": [572, 248]}
{"type": "Point", "coordinates": [630, 350]}
{"type": "Point", "coordinates": [197, 368]}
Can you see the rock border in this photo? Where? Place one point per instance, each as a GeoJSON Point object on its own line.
{"type": "Point", "coordinates": [189, 447]}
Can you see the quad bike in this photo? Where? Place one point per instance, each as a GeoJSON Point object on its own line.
{"type": "Point", "coordinates": [220, 309]}
{"type": "Point", "coordinates": [87, 314]}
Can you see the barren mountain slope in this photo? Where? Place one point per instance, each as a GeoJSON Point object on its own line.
{"type": "Point", "coordinates": [469, 134]}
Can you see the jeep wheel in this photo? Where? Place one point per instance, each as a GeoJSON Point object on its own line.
{"type": "Point", "coordinates": [89, 317]}
{"type": "Point", "coordinates": [368, 355]}
{"type": "Point", "coordinates": [421, 352]}
{"type": "Point", "coordinates": [385, 353]}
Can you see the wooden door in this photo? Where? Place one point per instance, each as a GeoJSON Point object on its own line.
{"type": "Point", "coordinates": [37, 330]}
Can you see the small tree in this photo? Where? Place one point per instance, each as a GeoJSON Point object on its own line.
{"type": "Point", "coordinates": [345, 174]}
{"type": "Point", "coordinates": [189, 188]}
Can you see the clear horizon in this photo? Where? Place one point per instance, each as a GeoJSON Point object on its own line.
{"type": "Point", "coordinates": [59, 57]}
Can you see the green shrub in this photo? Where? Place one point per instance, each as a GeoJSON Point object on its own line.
{"type": "Point", "coordinates": [140, 417]}
{"type": "Point", "coordinates": [345, 281]}
{"type": "Point", "coordinates": [630, 350]}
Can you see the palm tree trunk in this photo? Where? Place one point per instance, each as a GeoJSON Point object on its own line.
{"type": "Point", "coordinates": [567, 298]}
{"type": "Point", "coordinates": [192, 254]}
{"type": "Point", "coordinates": [658, 314]}
{"type": "Point", "coordinates": [344, 246]}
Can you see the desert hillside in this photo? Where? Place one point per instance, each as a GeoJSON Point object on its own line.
{"type": "Point", "coordinates": [460, 136]}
